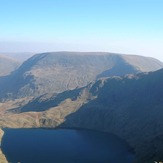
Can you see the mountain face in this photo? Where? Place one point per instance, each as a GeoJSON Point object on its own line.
{"type": "Point", "coordinates": [60, 71]}
{"type": "Point", "coordinates": [128, 106]}
{"type": "Point", "coordinates": [7, 65]}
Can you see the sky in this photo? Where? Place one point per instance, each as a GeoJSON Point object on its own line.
{"type": "Point", "coordinates": [120, 26]}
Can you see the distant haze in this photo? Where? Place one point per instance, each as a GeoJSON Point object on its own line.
{"type": "Point", "coordinates": [18, 56]}
{"type": "Point", "coordinates": [128, 48]}
{"type": "Point", "coordinates": [129, 27]}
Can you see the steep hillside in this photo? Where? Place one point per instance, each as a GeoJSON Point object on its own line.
{"type": "Point", "coordinates": [60, 71]}
{"type": "Point", "coordinates": [7, 65]}
{"type": "Point", "coordinates": [129, 106]}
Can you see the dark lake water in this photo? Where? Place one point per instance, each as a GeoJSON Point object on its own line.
{"type": "Point", "coordinates": [64, 146]}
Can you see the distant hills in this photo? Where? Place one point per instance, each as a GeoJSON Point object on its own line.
{"type": "Point", "coordinates": [21, 57]}
{"type": "Point", "coordinates": [60, 71]}
{"type": "Point", "coordinates": [7, 65]}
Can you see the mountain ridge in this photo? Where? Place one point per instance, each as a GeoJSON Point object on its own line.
{"type": "Point", "coordinates": [59, 71]}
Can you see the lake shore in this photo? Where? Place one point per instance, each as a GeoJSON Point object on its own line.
{"type": "Point", "coordinates": [2, 156]}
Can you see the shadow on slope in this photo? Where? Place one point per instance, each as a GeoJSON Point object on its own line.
{"type": "Point", "coordinates": [121, 68]}
{"type": "Point", "coordinates": [47, 101]}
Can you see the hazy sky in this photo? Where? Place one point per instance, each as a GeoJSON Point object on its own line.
{"type": "Point", "coordinates": [123, 26]}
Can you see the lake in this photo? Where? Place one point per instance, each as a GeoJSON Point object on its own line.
{"type": "Point", "coordinates": [64, 146]}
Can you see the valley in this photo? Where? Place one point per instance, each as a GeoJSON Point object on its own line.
{"type": "Point", "coordinates": [113, 93]}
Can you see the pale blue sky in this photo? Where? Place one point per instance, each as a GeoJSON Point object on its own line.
{"type": "Point", "coordinates": [124, 26]}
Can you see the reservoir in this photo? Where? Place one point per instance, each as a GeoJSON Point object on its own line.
{"type": "Point", "coordinates": [64, 146]}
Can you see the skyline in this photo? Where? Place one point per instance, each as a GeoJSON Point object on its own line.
{"type": "Point", "coordinates": [85, 25]}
